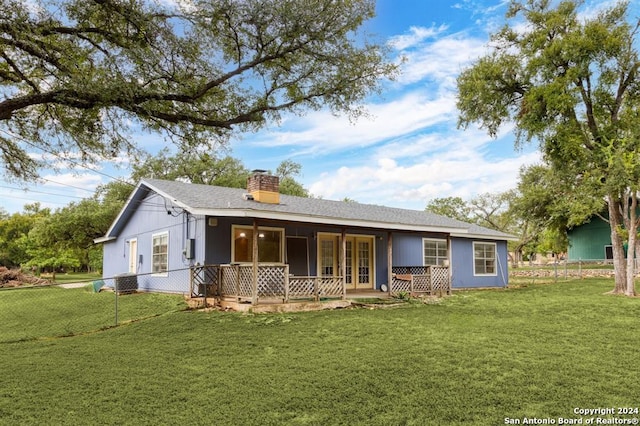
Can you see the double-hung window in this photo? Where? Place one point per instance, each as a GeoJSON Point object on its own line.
{"type": "Point", "coordinates": [160, 253]}
{"type": "Point", "coordinates": [484, 258]}
{"type": "Point", "coordinates": [435, 252]}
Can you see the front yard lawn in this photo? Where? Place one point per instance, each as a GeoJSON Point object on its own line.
{"type": "Point", "coordinates": [477, 358]}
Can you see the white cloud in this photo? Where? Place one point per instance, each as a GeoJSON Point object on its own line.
{"type": "Point", "coordinates": [415, 36]}
{"type": "Point", "coordinates": [325, 133]}
{"type": "Point", "coordinates": [411, 185]}
{"type": "Point", "coordinates": [441, 61]}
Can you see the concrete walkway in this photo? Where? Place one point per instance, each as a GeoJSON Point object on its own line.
{"type": "Point", "coordinates": [74, 285]}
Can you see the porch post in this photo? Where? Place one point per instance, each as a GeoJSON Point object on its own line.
{"type": "Point", "coordinates": [450, 269]}
{"type": "Point", "coordinates": [254, 295]}
{"type": "Point", "coordinates": [343, 263]}
{"type": "Point", "coordinates": [389, 261]}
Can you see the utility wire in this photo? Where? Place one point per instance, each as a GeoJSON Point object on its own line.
{"type": "Point", "coordinates": [34, 200]}
{"type": "Point", "coordinates": [40, 192]}
{"type": "Point", "coordinates": [57, 155]}
{"type": "Point", "coordinates": [66, 184]}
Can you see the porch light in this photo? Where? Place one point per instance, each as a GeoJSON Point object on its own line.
{"type": "Point", "coordinates": [243, 235]}
{"type": "Point", "coordinates": [261, 235]}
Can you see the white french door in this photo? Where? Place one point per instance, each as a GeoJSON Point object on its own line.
{"type": "Point", "coordinates": [359, 263]}
{"type": "Point", "coordinates": [359, 271]}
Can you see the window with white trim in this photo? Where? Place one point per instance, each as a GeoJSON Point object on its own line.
{"type": "Point", "coordinates": [484, 259]}
{"type": "Point", "coordinates": [270, 244]}
{"type": "Point", "coordinates": [160, 253]}
{"type": "Point", "coordinates": [435, 252]}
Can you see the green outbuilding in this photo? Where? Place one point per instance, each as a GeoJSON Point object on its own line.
{"type": "Point", "coordinates": [590, 241]}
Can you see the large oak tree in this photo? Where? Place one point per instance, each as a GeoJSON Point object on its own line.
{"type": "Point", "coordinates": [571, 83]}
{"type": "Point", "coordinates": [76, 76]}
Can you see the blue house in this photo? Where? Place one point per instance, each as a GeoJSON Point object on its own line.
{"type": "Point", "coordinates": [258, 244]}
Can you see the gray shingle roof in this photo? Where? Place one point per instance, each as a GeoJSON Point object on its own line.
{"type": "Point", "coordinates": [215, 200]}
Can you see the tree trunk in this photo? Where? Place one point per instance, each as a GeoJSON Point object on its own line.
{"type": "Point", "coordinates": [615, 222]}
{"type": "Point", "coordinates": [632, 227]}
{"type": "Point", "coordinates": [517, 256]}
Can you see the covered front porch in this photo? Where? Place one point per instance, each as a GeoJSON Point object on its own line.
{"type": "Point", "coordinates": [272, 283]}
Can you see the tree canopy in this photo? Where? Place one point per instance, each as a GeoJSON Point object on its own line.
{"type": "Point", "coordinates": [77, 75]}
{"type": "Point", "coordinates": [453, 207]}
{"type": "Point", "coordinates": [571, 83]}
{"type": "Point", "coordinates": [195, 167]}
{"type": "Point", "coordinates": [14, 231]}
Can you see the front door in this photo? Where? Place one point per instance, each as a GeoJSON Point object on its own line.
{"type": "Point", "coordinates": [358, 259]}
{"type": "Point", "coordinates": [133, 256]}
{"type": "Point", "coordinates": [359, 263]}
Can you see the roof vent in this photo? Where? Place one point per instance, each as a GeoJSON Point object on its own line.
{"type": "Point", "coordinates": [247, 197]}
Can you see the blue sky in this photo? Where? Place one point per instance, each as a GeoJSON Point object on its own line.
{"type": "Point", "coordinates": [406, 152]}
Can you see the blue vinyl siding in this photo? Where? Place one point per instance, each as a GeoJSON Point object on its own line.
{"type": "Point", "coordinates": [463, 268]}
{"type": "Point", "coordinates": [408, 251]}
{"type": "Point", "coordinates": [151, 219]}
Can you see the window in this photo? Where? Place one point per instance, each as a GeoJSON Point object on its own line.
{"type": "Point", "coordinates": [160, 255]}
{"type": "Point", "coordinates": [328, 256]}
{"type": "Point", "coordinates": [435, 252]}
{"type": "Point", "coordinates": [484, 258]}
{"type": "Point", "coordinates": [270, 247]}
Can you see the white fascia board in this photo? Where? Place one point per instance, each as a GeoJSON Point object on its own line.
{"type": "Point", "coordinates": [122, 211]}
{"type": "Point", "coordinates": [484, 237]}
{"type": "Point", "coordinates": [288, 217]}
{"type": "Point", "coordinates": [103, 240]}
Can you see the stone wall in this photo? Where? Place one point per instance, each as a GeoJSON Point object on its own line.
{"type": "Point", "coordinates": [569, 273]}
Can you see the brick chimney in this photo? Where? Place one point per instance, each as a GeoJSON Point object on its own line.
{"type": "Point", "coordinates": [263, 187]}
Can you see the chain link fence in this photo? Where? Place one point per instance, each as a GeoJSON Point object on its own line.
{"type": "Point", "coordinates": [35, 312]}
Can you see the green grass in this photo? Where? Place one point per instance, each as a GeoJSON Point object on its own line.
{"type": "Point", "coordinates": [76, 277]}
{"type": "Point", "coordinates": [476, 358]}
{"type": "Point", "coordinates": [47, 312]}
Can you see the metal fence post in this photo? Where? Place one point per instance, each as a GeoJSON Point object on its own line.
{"type": "Point", "coordinates": [580, 268]}
{"type": "Point", "coordinates": [115, 286]}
